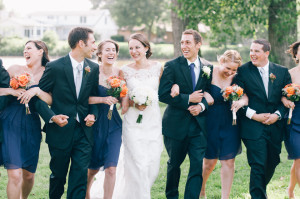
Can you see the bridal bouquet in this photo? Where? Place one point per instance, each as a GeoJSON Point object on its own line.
{"type": "Point", "coordinates": [291, 92]}
{"type": "Point", "coordinates": [233, 93]}
{"type": "Point", "coordinates": [117, 89]}
{"type": "Point", "coordinates": [22, 81]}
{"type": "Point", "coordinates": [143, 95]}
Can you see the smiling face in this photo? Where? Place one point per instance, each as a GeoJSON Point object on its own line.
{"type": "Point", "coordinates": [137, 50]}
{"type": "Point", "coordinates": [189, 48]}
{"type": "Point", "coordinates": [31, 54]}
{"type": "Point", "coordinates": [108, 53]}
{"type": "Point", "coordinates": [228, 69]}
{"type": "Point", "coordinates": [258, 57]}
{"type": "Point", "coordinates": [90, 47]}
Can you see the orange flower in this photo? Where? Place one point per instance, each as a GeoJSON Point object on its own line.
{"type": "Point", "coordinates": [14, 83]}
{"type": "Point", "coordinates": [124, 91]}
{"type": "Point", "coordinates": [240, 92]}
{"type": "Point", "coordinates": [229, 90]}
{"type": "Point", "coordinates": [290, 90]}
{"type": "Point", "coordinates": [23, 80]}
{"type": "Point", "coordinates": [114, 83]}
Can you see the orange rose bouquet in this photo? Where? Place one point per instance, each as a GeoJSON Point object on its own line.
{"type": "Point", "coordinates": [117, 89]}
{"type": "Point", "coordinates": [22, 81]}
{"type": "Point", "coordinates": [291, 92]}
{"type": "Point", "coordinates": [233, 93]}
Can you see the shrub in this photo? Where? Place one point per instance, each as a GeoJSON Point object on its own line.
{"type": "Point", "coordinates": [119, 38]}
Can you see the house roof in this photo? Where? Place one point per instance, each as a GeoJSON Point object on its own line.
{"type": "Point", "coordinates": [71, 13]}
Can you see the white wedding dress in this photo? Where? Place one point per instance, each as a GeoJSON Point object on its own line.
{"type": "Point", "coordinates": [142, 144]}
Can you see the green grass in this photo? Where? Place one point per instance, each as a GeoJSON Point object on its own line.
{"type": "Point", "coordinates": [276, 188]}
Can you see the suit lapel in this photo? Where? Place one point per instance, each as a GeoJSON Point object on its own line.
{"type": "Point", "coordinates": [186, 72]}
{"type": "Point", "coordinates": [200, 75]}
{"type": "Point", "coordinates": [272, 69]}
{"type": "Point", "coordinates": [69, 74]}
{"type": "Point", "coordinates": [84, 77]}
{"type": "Point", "coordinates": [256, 75]}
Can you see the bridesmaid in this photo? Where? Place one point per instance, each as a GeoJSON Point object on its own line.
{"type": "Point", "coordinates": [107, 133]}
{"type": "Point", "coordinates": [293, 130]}
{"type": "Point", "coordinates": [21, 131]}
{"type": "Point", "coordinates": [223, 140]}
{"type": "Point", "coordinates": [4, 83]}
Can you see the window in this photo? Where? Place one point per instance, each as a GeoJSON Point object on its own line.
{"type": "Point", "coordinates": [38, 32]}
{"type": "Point", "coordinates": [82, 19]}
{"type": "Point", "coordinates": [27, 33]}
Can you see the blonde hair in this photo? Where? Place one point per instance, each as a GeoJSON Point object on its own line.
{"type": "Point", "coordinates": [230, 56]}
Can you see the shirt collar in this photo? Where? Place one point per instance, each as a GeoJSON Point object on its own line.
{"type": "Point", "coordinates": [196, 62]}
{"type": "Point", "coordinates": [74, 62]}
{"type": "Point", "coordinates": [266, 67]}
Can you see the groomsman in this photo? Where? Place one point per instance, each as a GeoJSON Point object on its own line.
{"type": "Point", "coordinates": [183, 123]}
{"type": "Point", "coordinates": [261, 122]}
{"type": "Point", "coordinates": [4, 83]}
{"type": "Point", "coordinates": [71, 80]}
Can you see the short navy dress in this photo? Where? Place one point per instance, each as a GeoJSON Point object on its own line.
{"type": "Point", "coordinates": [292, 141]}
{"type": "Point", "coordinates": [107, 136]}
{"type": "Point", "coordinates": [21, 137]}
{"type": "Point", "coordinates": [223, 139]}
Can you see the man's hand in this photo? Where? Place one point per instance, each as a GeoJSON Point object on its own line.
{"type": "Point", "coordinates": [196, 96]}
{"type": "Point", "coordinates": [262, 117]}
{"type": "Point", "coordinates": [60, 120]}
{"type": "Point", "coordinates": [90, 120]}
{"type": "Point", "coordinates": [195, 109]}
{"type": "Point", "coordinates": [272, 119]}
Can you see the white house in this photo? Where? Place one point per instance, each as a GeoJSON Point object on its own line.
{"type": "Point", "coordinates": [31, 29]}
{"type": "Point", "coordinates": [100, 21]}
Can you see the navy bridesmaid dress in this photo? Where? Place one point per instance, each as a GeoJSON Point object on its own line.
{"type": "Point", "coordinates": [292, 141]}
{"type": "Point", "coordinates": [223, 139]}
{"type": "Point", "coordinates": [107, 136]}
{"type": "Point", "coordinates": [21, 137]}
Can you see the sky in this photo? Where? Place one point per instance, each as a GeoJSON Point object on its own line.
{"type": "Point", "coordinates": [27, 6]}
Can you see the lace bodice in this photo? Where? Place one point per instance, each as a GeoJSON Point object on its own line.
{"type": "Point", "coordinates": [147, 77]}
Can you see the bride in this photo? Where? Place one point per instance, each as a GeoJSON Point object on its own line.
{"type": "Point", "coordinates": [142, 142]}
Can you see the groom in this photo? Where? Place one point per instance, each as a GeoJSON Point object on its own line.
{"type": "Point", "coordinates": [261, 125]}
{"type": "Point", "coordinates": [71, 80]}
{"type": "Point", "coordinates": [183, 121]}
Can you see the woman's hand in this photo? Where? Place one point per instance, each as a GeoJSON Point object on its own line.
{"type": "Point", "coordinates": [287, 103]}
{"type": "Point", "coordinates": [27, 95]}
{"type": "Point", "coordinates": [174, 90]}
{"type": "Point", "coordinates": [210, 100]}
{"type": "Point", "coordinates": [140, 107]}
{"type": "Point", "coordinates": [110, 100]}
{"type": "Point", "coordinates": [16, 92]}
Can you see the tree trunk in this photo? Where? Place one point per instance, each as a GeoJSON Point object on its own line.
{"type": "Point", "coordinates": [178, 26]}
{"type": "Point", "coordinates": [282, 30]}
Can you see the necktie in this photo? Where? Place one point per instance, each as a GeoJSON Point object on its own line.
{"type": "Point", "coordinates": [78, 78]}
{"type": "Point", "coordinates": [192, 67]}
{"type": "Point", "coordinates": [264, 77]}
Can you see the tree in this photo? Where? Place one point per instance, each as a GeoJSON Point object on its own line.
{"type": "Point", "coordinates": [178, 26]}
{"type": "Point", "coordinates": [131, 13]}
{"type": "Point", "coordinates": [51, 39]}
{"type": "Point", "coordinates": [96, 3]}
{"type": "Point", "coordinates": [231, 19]}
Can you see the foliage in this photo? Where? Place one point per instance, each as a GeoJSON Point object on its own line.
{"type": "Point", "coordinates": [51, 39]}
{"type": "Point", "coordinates": [1, 5]}
{"type": "Point", "coordinates": [132, 13]}
{"type": "Point", "coordinates": [231, 21]}
{"type": "Point", "coordinates": [119, 38]}
{"type": "Point", "coordinates": [12, 46]}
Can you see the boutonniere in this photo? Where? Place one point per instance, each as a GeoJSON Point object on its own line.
{"type": "Point", "coordinates": [87, 70]}
{"type": "Point", "coordinates": [206, 71]}
{"type": "Point", "coordinates": [272, 77]}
